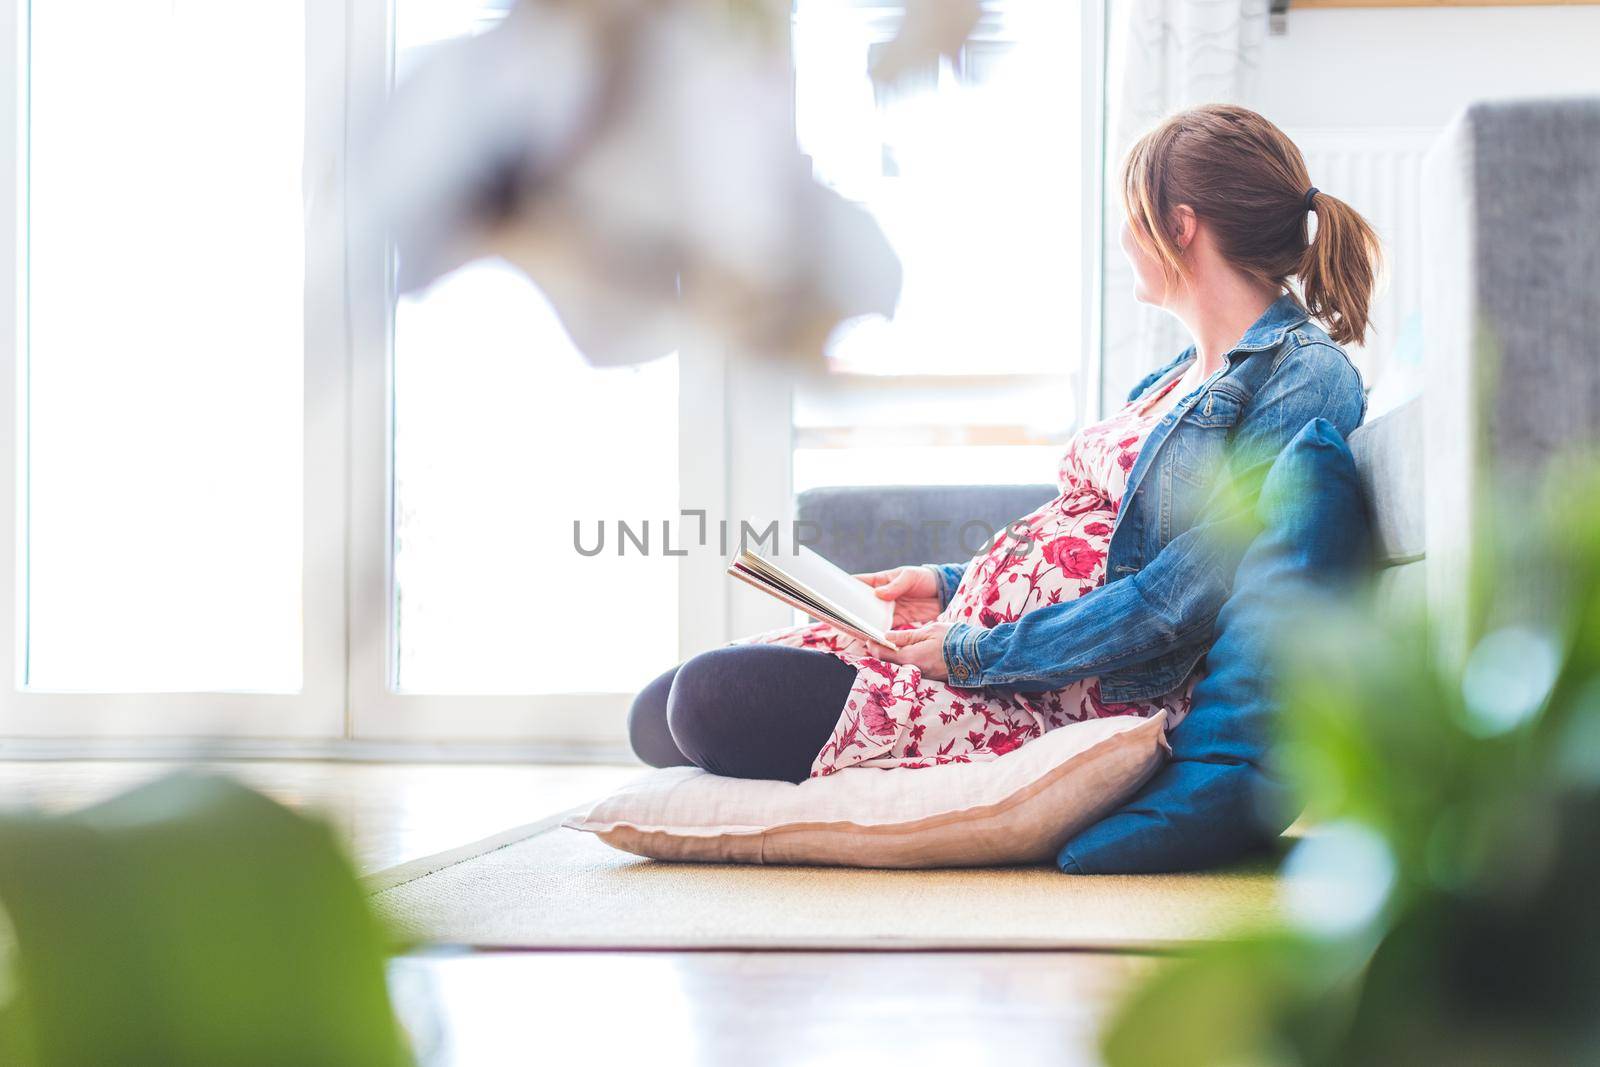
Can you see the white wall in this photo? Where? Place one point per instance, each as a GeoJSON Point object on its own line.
{"type": "Point", "coordinates": [1365, 91]}
{"type": "Point", "coordinates": [1419, 66]}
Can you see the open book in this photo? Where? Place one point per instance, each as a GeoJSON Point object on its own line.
{"type": "Point", "coordinates": [807, 581]}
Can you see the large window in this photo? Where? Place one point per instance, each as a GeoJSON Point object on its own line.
{"type": "Point", "coordinates": [974, 166]}
{"type": "Point", "coordinates": [252, 491]}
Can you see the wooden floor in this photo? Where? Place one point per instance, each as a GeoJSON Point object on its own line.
{"type": "Point", "coordinates": [652, 1009]}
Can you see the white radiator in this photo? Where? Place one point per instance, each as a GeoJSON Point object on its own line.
{"type": "Point", "coordinates": [1378, 172]}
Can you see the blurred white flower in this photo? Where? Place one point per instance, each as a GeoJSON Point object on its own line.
{"type": "Point", "coordinates": [638, 160]}
{"type": "Point", "coordinates": [929, 29]}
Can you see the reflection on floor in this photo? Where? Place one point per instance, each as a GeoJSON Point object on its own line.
{"type": "Point", "coordinates": [387, 812]}
{"type": "Point", "coordinates": [761, 1009]}
{"type": "Point", "coordinates": [747, 1009]}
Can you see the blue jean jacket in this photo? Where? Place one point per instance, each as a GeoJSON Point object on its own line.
{"type": "Point", "coordinates": [1168, 567]}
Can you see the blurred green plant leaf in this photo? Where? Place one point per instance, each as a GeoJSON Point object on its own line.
{"type": "Point", "coordinates": [1476, 773]}
{"type": "Point", "coordinates": [190, 922]}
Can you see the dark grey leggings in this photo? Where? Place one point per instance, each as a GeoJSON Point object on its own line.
{"type": "Point", "coordinates": [744, 711]}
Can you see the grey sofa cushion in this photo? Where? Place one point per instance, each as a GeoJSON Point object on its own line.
{"type": "Point", "coordinates": [1388, 452]}
{"type": "Point", "coordinates": [871, 528]}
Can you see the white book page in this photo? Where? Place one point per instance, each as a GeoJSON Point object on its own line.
{"type": "Point", "coordinates": [831, 584]}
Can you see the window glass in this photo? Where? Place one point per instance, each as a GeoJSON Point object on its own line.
{"type": "Point", "coordinates": [503, 439]}
{"type": "Point", "coordinates": [162, 488]}
{"type": "Point", "coordinates": [972, 167]}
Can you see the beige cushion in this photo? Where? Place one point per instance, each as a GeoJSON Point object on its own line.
{"type": "Point", "coordinates": [1019, 808]}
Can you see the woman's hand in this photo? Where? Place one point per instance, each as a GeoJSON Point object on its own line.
{"type": "Point", "coordinates": [914, 590]}
{"type": "Point", "coordinates": [922, 648]}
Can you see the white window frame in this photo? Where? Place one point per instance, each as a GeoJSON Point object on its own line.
{"type": "Point", "coordinates": [347, 704]}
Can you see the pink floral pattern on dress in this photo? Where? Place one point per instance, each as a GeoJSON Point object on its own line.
{"type": "Point", "coordinates": [894, 717]}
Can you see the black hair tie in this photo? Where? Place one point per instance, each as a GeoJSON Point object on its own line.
{"type": "Point", "coordinates": [1311, 198]}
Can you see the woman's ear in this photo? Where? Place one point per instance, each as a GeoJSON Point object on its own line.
{"type": "Point", "coordinates": [1184, 225]}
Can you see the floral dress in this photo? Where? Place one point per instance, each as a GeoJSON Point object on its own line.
{"type": "Point", "coordinates": [894, 717]}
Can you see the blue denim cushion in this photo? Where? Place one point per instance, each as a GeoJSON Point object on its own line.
{"type": "Point", "coordinates": [1216, 799]}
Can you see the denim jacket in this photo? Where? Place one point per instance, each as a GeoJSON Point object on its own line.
{"type": "Point", "coordinates": [1168, 571]}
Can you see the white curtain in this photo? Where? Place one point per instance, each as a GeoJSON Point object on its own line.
{"type": "Point", "coordinates": [1164, 55]}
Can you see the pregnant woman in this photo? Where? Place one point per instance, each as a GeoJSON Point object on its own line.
{"type": "Point", "coordinates": [1102, 601]}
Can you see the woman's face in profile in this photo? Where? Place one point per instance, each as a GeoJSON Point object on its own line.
{"type": "Point", "coordinates": [1150, 285]}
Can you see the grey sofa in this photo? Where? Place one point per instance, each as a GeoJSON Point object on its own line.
{"type": "Point", "coordinates": [1511, 324]}
{"type": "Point", "coordinates": [1511, 336]}
{"type": "Point", "coordinates": [869, 528]}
